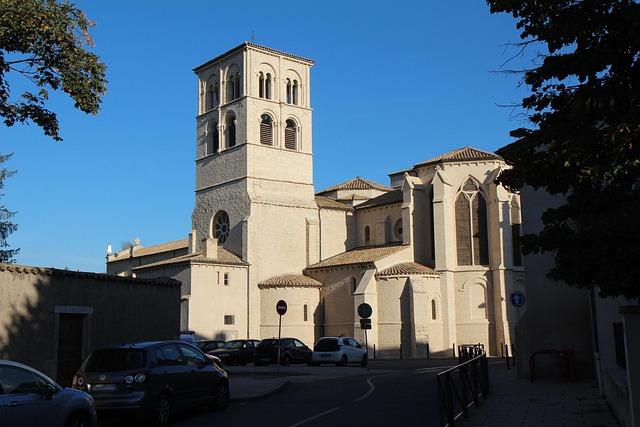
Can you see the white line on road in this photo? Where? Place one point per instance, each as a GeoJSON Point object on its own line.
{"type": "Point", "coordinates": [322, 414]}
{"type": "Point", "coordinates": [372, 388]}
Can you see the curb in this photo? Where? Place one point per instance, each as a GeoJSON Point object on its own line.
{"type": "Point", "coordinates": [260, 396]}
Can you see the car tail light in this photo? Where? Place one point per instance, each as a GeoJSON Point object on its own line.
{"type": "Point", "coordinates": [140, 378]}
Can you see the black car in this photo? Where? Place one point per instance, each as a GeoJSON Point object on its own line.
{"type": "Point", "coordinates": [236, 352]}
{"type": "Point", "coordinates": [209, 345]}
{"type": "Point", "coordinates": [152, 379]}
{"type": "Point", "coordinates": [292, 350]}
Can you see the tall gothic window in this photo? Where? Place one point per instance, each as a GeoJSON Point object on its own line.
{"type": "Point", "coordinates": [209, 102]}
{"type": "Point", "coordinates": [290, 137]}
{"type": "Point", "coordinates": [230, 85]}
{"type": "Point", "coordinates": [294, 93]}
{"type": "Point", "coordinates": [231, 131]}
{"type": "Point", "coordinates": [515, 232]}
{"type": "Point", "coordinates": [472, 241]}
{"type": "Point", "coordinates": [267, 86]}
{"type": "Point", "coordinates": [288, 91]}
{"type": "Point", "coordinates": [212, 138]}
{"type": "Point", "coordinates": [236, 87]}
{"type": "Point", "coordinates": [367, 235]}
{"type": "Point", "coordinates": [434, 314]}
{"type": "Point", "coordinates": [260, 85]}
{"type": "Point", "coordinates": [266, 130]}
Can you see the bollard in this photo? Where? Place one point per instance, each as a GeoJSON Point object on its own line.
{"type": "Point", "coordinates": [506, 349]}
{"type": "Point", "coordinates": [374, 351]}
{"type": "Point", "coordinates": [453, 347]}
{"type": "Point", "coordinates": [428, 352]}
{"type": "Point", "coordinates": [502, 350]}
{"type": "Point", "coordinates": [400, 351]}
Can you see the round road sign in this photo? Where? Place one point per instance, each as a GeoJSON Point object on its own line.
{"type": "Point", "coordinates": [281, 307]}
{"type": "Point", "coordinates": [364, 310]}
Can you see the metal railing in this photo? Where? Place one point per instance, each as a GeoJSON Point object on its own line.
{"type": "Point", "coordinates": [463, 385]}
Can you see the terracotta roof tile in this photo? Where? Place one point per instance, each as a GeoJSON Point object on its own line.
{"type": "Point", "coordinates": [327, 203]}
{"type": "Point", "coordinates": [406, 269]}
{"type": "Point", "coordinates": [224, 258]}
{"type": "Point", "coordinates": [362, 255]}
{"type": "Point", "coordinates": [463, 154]}
{"type": "Point", "coordinates": [139, 251]}
{"type": "Point", "coordinates": [289, 280]}
{"type": "Point", "coordinates": [356, 183]}
{"type": "Point", "coordinates": [390, 198]}
{"type": "Point", "coordinates": [45, 271]}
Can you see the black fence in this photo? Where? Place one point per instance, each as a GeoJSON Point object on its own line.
{"type": "Point", "coordinates": [463, 385]}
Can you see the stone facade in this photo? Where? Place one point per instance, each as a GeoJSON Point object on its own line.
{"type": "Point", "coordinates": [431, 253]}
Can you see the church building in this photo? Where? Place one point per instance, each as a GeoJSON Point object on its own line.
{"type": "Point", "coordinates": [434, 252]}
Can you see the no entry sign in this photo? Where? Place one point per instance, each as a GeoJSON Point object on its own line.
{"type": "Point", "coordinates": [281, 307]}
{"type": "Point", "coordinates": [364, 310]}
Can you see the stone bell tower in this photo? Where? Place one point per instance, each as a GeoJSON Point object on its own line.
{"type": "Point", "coordinates": [254, 164]}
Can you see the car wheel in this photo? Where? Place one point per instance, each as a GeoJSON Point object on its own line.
{"type": "Point", "coordinates": [161, 412]}
{"type": "Point", "coordinates": [364, 360]}
{"type": "Point", "coordinates": [286, 360]}
{"type": "Point", "coordinates": [221, 397]}
{"type": "Point", "coordinates": [344, 361]}
{"type": "Point", "coordinates": [78, 420]}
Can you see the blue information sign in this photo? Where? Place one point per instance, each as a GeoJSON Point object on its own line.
{"type": "Point", "coordinates": [517, 299]}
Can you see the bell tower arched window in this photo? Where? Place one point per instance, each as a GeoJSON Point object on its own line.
{"type": "Point", "coordinates": [213, 138]}
{"type": "Point", "coordinates": [230, 131]}
{"type": "Point", "coordinates": [289, 91]}
{"type": "Point", "coordinates": [267, 87]}
{"type": "Point", "coordinates": [472, 243]}
{"type": "Point", "coordinates": [260, 85]}
{"type": "Point", "coordinates": [266, 130]}
{"type": "Point", "coordinates": [290, 137]}
{"type": "Point", "coordinates": [294, 93]}
{"type": "Point", "coordinates": [434, 314]}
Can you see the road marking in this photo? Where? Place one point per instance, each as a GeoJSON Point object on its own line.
{"type": "Point", "coordinates": [372, 388]}
{"type": "Point", "coordinates": [322, 414]}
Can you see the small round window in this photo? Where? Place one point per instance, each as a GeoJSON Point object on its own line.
{"type": "Point", "coordinates": [398, 228]}
{"type": "Point", "coordinates": [221, 226]}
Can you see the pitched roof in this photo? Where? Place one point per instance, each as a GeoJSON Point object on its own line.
{"type": "Point", "coordinates": [46, 271]}
{"type": "Point", "coordinates": [255, 46]}
{"type": "Point", "coordinates": [289, 280]}
{"type": "Point", "coordinates": [327, 203]}
{"type": "Point", "coordinates": [356, 183]}
{"type": "Point", "coordinates": [406, 269]}
{"type": "Point", "coordinates": [224, 258]}
{"type": "Point", "coordinates": [463, 154]}
{"type": "Point", "coordinates": [361, 255]}
{"type": "Point", "coordinates": [149, 250]}
{"type": "Point", "coordinates": [390, 198]}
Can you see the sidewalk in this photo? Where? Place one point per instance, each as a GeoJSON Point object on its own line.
{"type": "Point", "coordinates": [518, 402]}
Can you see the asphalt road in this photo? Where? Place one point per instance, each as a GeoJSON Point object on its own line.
{"type": "Point", "coordinates": [403, 397]}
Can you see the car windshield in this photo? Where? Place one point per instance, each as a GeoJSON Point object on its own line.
{"type": "Point", "coordinates": [327, 344]}
{"type": "Point", "coordinates": [117, 359]}
{"type": "Point", "coordinates": [233, 345]}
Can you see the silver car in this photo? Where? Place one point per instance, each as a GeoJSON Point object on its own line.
{"type": "Point", "coordinates": [30, 398]}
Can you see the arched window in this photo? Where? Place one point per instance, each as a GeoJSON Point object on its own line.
{"type": "Point", "coordinates": [305, 314]}
{"type": "Point", "coordinates": [260, 85]}
{"type": "Point", "coordinates": [515, 232]}
{"type": "Point", "coordinates": [354, 285]}
{"type": "Point", "coordinates": [472, 243]}
{"type": "Point", "coordinates": [288, 91]}
{"type": "Point", "coordinates": [231, 131]}
{"type": "Point", "coordinates": [367, 235]}
{"type": "Point", "coordinates": [220, 226]}
{"type": "Point", "coordinates": [212, 138]}
{"type": "Point", "coordinates": [294, 92]}
{"type": "Point", "coordinates": [266, 130]}
{"type": "Point", "coordinates": [230, 86]}
{"type": "Point", "coordinates": [267, 87]}
{"type": "Point", "coordinates": [290, 139]}
{"type": "Point", "coordinates": [236, 87]}
{"type": "Point", "coordinates": [216, 95]}
{"type": "Point", "coordinates": [209, 103]}
{"type": "Point", "coordinates": [434, 314]}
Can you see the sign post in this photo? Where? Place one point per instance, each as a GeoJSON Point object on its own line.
{"type": "Point", "coordinates": [517, 300]}
{"type": "Point", "coordinates": [281, 309]}
{"type": "Point", "coordinates": [365, 311]}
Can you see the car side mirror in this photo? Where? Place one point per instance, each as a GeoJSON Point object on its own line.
{"type": "Point", "coordinates": [47, 391]}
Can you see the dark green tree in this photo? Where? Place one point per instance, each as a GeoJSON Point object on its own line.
{"type": "Point", "coordinates": [582, 141]}
{"type": "Point", "coordinates": [46, 42]}
{"type": "Point", "coordinates": [6, 226]}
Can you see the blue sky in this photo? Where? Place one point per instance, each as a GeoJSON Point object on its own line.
{"type": "Point", "coordinates": [394, 83]}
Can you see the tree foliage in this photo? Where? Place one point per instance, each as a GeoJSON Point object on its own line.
{"type": "Point", "coordinates": [46, 43]}
{"type": "Point", "coordinates": [583, 138]}
{"type": "Point", "coordinates": [6, 226]}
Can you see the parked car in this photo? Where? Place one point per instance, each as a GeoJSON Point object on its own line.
{"type": "Point", "coordinates": [28, 397]}
{"type": "Point", "coordinates": [339, 350]}
{"type": "Point", "coordinates": [292, 350]}
{"type": "Point", "coordinates": [152, 379]}
{"type": "Point", "coordinates": [188, 337]}
{"type": "Point", "coordinates": [209, 345]}
{"type": "Point", "coordinates": [236, 352]}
